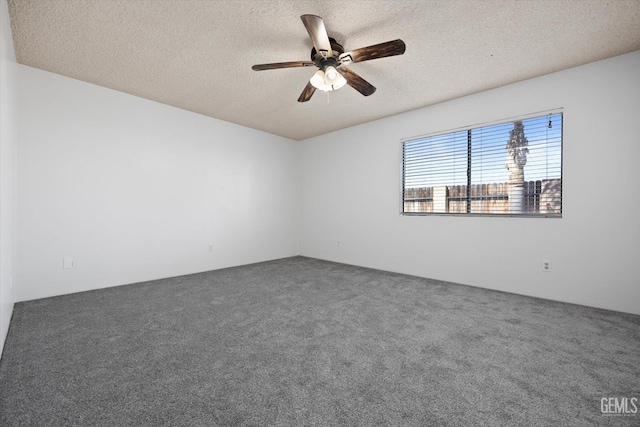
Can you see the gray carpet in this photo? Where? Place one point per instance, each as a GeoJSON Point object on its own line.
{"type": "Point", "coordinates": [300, 341]}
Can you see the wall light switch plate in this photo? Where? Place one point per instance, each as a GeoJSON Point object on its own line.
{"type": "Point", "coordinates": [67, 263]}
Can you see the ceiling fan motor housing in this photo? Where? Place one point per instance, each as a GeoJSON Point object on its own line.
{"type": "Point", "coordinates": [335, 47]}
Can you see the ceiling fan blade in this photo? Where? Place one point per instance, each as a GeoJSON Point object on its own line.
{"type": "Point", "coordinates": [275, 65]}
{"type": "Point", "coordinates": [306, 94]}
{"type": "Point", "coordinates": [382, 50]}
{"type": "Point", "coordinates": [357, 82]}
{"type": "Point", "coordinates": [318, 33]}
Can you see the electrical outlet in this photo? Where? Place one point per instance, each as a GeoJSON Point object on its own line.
{"type": "Point", "coordinates": [210, 248]}
{"type": "Point", "coordinates": [546, 265]}
{"type": "Point", "coordinates": [339, 243]}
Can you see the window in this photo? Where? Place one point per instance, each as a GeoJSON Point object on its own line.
{"type": "Point", "coordinates": [512, 168]}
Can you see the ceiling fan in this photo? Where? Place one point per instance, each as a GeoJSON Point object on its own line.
{"type": "Point", "coordinates": [329, 56]}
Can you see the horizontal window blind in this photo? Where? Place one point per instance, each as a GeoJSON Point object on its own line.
{"type": "Point", "coordinates": [511, 168]}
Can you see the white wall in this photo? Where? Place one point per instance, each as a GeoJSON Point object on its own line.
{"type": "Point", "coordinates": [351, 180]}
{"type": "Point", "coordinates": [135, 190]}
{"type": "Point", "coordinates": [8, 143]}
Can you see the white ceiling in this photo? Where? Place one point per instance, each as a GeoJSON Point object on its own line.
{"type": "Point", "coordinates": [197, 55]}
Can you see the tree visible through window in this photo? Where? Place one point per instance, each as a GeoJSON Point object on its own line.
{"type": "Point", "coordinates": [512, 168]}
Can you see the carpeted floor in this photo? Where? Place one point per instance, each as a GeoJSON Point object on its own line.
{"type": "Point", "coordinates": [301, 341]}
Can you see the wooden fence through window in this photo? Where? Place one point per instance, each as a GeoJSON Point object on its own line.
{"type": "Point", "coordinates": [540, 197]}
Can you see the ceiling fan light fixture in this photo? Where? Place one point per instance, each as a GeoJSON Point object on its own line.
{"type": "Point", "coordinates": [339, 82]}
{"type": "Point", "coordinates": [330, 74]}
{"type": "Point", "coordinates": [328, 79]}
{"type": "Point", "coordinates": [317, 80]}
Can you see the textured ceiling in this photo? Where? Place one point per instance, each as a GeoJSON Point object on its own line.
{"type": "Point", "coordinates": [197, 55]}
